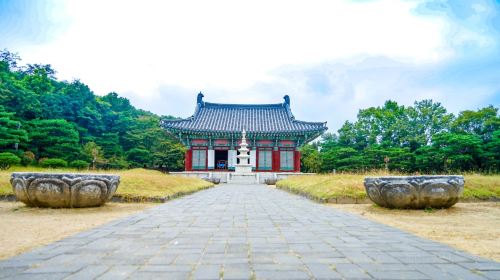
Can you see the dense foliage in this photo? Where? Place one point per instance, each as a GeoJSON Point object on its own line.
{"type": "Point", "coordinates": [42, 118]}
{"type": "Point", "coordinates": [420, 138]}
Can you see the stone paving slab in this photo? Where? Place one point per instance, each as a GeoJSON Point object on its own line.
{"type": "Point", "coordinates": [246, 232]}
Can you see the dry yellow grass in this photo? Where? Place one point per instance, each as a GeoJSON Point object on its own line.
{"type": "Point", "coordinates": [326, 186]}
{"type": "Point", "coordinates": [482, 186]}
{"type": "Point", "coordinates": [135, 184]}
{"type": "Point", "coordinates": [151, 184]}
{"type": "Point", "coordinates": [329, 186]}
{"type": "Point", "coordinates": [5, 187]}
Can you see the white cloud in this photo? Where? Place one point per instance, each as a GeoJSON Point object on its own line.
{"type": "Point", "coordinates": [332, 57]}
{"type": "Point", "coordinates": [138, 45]}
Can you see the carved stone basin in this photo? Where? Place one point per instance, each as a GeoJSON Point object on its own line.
{"type": "Point", "coordinates": [415, 192]}
{"type": "Point", "coordinates": [63, 190]}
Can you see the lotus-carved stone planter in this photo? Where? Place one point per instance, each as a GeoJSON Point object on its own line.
{"type": "Point", "coordinates": [415, 192]}
{"type": "Point", "coordinates": [63, 190]}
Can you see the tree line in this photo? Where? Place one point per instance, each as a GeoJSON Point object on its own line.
{"type": "Point", "coordinates": [47, 122]}
{"type": "Point", "coordinates": [422, 138]}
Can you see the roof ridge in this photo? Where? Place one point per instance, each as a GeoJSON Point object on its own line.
{"type": "Point", "coordinates": [274, 118]}
{"type": "Point", "coordinates": [307, 122]}
{"type": "Point", "coordinates": [242, 105]}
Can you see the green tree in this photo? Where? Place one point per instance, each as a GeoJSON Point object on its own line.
{"type": "Point", "coordinates": [169, 156]}
{"type": "Point", "coordinates": [426, 118]}
{"type": "Point", "coordinates": [8, 60]}
{"type": "Point", "coordinates": [340, 159]}
{"type": "Point", "coordinates": [328, 141]}
{"type": "Point", "coordinates": [400, 159]}
{"type": "Point", "coordinates": [54, 138]}
{"type": "Point", "coordinates": [39, 78]}
{"type": "Point", "coordinates": [491, 153]}
{"type": "Point", "coordinates": [458, 151]}
{"type": "Point", "coordinates": [116, 162]}
{"type": "Point", "coordinates": [91, 152]}
{"type": "Point", "coordinates": [482, 122]}
{"type": "Point", "coordinates": [110, 143]}
{"type": "Point", "coordinates": [110, 122]}
{"type": "Point", "coordinates": [11, 132]}
{"type": "Point", "coordinates": [310, 160]}
{"type": "Point", "coordinates": [350, 135]}
{"type": "Point", "coordinates": [138, 157]}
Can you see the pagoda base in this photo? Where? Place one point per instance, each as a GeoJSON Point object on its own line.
{"type": "Point", "coordinates": [229, 177]}
{"type": "Point", "coordinates": [243, 168]}
{"type": "Point", "coordinates": [243, 178]}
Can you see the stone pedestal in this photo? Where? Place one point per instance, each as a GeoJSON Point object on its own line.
{"type": "Point", "coordinates": [415, 192]}
{"type": "Point", "coordinates": [243, 178]}
{"type": "Point", "coordinates": [63, 190]}
{"type": "Point", "coordinates": [243, 168]}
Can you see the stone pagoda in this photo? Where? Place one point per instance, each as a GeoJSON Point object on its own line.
{"type": "Point", "coordinates": [244, 165]}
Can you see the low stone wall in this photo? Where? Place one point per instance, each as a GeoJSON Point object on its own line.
{"type": "Point", "coordinates": [225, 177]}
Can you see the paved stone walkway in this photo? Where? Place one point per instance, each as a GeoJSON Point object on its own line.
{"type": "Point", "coordinates": [246, 232]}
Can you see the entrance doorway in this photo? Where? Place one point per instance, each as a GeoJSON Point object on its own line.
{"type": "Point", "coordinates": [221, 159]}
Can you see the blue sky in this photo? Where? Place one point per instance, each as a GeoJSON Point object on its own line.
{"type": "Point", "coordinates": [332, 57]}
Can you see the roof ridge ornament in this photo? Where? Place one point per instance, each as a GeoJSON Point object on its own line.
{"type": "Point", "coordinates": [199, 98]}
{"type": "Point", "coordinates": [287, 99]}
{"type": "Point", "coordinates": [287, 106]}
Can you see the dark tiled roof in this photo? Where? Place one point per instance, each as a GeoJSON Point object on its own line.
{"type": "Point", "coordinates": [233, 118]}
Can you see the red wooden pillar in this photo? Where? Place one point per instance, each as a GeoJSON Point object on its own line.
{"type": "Point", "coordinates": [276, 160]}
{"type": "Point", "coordinates": [296, 161]}
{"type": "Point", "coordinates": [188, 160]}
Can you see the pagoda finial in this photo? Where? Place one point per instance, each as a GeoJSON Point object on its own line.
{"type": "Point", "coordinates": [287, 99]}
{"type": "Point", "coordinates": [199, 98]}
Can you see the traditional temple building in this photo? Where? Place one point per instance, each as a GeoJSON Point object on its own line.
{"type": "Point", "coordinates": [212, 136]}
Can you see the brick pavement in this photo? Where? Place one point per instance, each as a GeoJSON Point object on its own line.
{"type": "Point", "coordinates": [246, 232]}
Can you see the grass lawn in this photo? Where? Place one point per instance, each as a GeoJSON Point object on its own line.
{"type": "Point", "coordinates": [136, 184]}
{"type": "Point", "coordinates": [328, 186]}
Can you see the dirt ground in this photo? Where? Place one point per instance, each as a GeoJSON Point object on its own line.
{"type": "Point", "coordinates": [472, 227]}
{"type": "Point", "coordinates": [23, 228]}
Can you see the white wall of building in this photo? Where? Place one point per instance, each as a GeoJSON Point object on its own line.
{"type": "Point", "coordinates": [211, 159]}
{"type": "Point", "coordinates": [231, 158]}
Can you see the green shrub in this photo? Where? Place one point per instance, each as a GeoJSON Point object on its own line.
{"type": "Point", "coordinates": [28, 158]}
{"type": "Point", "coordinates": [8, 159]}
{"type": "Point", "coordinates": [79, 164]}
{"type": "Point", "coordinates": [54, 163]}
{"type": "Point", "coordinates": [139, 157]}
{"type": "Point", "coordinates": [115, 163]}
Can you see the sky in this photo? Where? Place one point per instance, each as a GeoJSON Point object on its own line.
{"type": "Point", "coordinates": [332, 58]}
